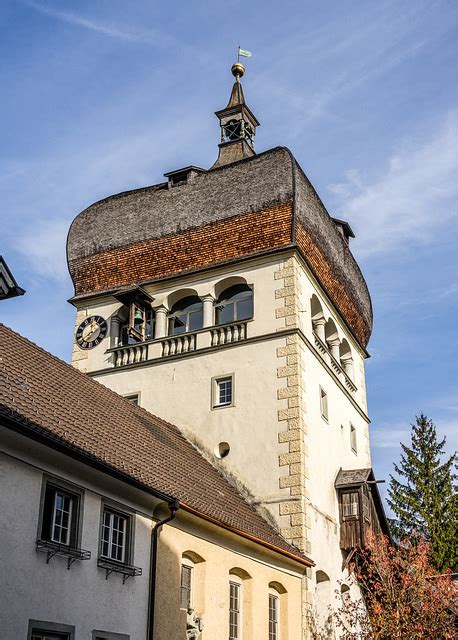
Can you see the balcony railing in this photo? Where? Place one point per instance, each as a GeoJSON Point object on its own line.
{"type": "Point", "coordinates": [179, 344]}
{"type": "Point", "coordinates": [130, 354]}
{"type": "Point", "coordinates": [169, 346]}
{"type": "Point", "coordinates": [327, 356]}
{"type": "Point", "coordinates": [228, 333]}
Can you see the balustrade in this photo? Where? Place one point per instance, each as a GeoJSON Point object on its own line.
{"type": "Point", "coordinates": [178, 344]}
{"type": "Point", "coordinates": [130, 354]}
{"type": "Point", "coordinates": [228, 333]}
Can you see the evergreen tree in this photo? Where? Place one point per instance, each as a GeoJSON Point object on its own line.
{"type": "Point", "coordinates": [426, 505]}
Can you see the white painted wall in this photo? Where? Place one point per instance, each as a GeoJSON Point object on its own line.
{"type": "Point", "coordinates": [80, 596]}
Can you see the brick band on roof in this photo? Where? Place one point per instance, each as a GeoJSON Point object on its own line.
{"type": "Point", "coordinates": [131, 237]}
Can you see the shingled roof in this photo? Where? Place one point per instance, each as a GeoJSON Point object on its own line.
{"type": "Point", "coordinates": [43, 397]}
{"type": "Point", "coordinates": [240, 210]}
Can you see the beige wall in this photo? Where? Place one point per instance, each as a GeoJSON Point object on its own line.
{"type": "Point", "coordinates": [219, 555]}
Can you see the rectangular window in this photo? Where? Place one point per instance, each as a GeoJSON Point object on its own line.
{"type": "Point", "coordinates": [234, 611]}
{"type": "Point", "coordinates": [350, 504]}
{"type": "Point", "coordinates": [59, 522]}
{"type": "Point", "coordinates": [186, 581]}
{"type": "Point", "coordinates": [39, 630]}
{"type": "Point", "coordinates": [273, 617]}
{"type": "Point", "coordinates": [223, 391]}
{"type": "Point", "coordinates": [115, 532]}
{"type": "Point", "coordinates": [353, 444]}
{"type": "Point", "coordinates": [324, 404]}
{"type": "Point", "coordinates": [133, 398]}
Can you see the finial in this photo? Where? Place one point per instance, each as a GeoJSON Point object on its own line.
{"type": "Point", "coordinates": [237, 70]}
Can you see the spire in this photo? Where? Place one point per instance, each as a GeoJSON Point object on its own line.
{"type": "Point", "coordinates": [238, 124]}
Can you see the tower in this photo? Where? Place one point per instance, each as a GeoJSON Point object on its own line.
{"type": "Point", "coordinates": [228, 302]}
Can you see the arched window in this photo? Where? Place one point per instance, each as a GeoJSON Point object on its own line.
{"type": "Point", "coordinates": [186, 315]}
{"type": "Point", "coordinates": [187, 580]}
{"type": "Point", "coordinates": [235, 303]}
{"type": "Point", "coordinates": [239, 604]}
{"type": "Point", "coordinates": [278, 614]}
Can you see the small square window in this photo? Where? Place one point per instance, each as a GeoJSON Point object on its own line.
{"type": "Point", "coordinates": [132, 398]}
{"type": "Point", "coordinates": [115, 536]}
{"type": "Point", "coordinates": [223, 392]}
{"type": "Point", "coordinates": [353, 443]}
{"type": "Point", "coordinates": [60, 514]}
{"type": "Point", "coordinates": [350, 505]}
{"type": "Point", "coordinates": [324, 404]}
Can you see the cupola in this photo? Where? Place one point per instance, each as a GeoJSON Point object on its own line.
{"type": "Point", "coordinates": [238, 124]}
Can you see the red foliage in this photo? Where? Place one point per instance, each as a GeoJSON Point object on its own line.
{"type": "Point", "coordinates": [403, 597]}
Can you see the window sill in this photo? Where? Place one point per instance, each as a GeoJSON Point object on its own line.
{"type": "Point", "coordinates": [56, 549]}
{"type": "Point", "coordinates": [112, 566]}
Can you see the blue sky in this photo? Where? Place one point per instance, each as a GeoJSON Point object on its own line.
{"type": "Point", "coordinates": [102, 96]}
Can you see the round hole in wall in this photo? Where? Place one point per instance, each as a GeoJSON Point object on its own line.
{"type": "Point", "coordinates": [222, 450]}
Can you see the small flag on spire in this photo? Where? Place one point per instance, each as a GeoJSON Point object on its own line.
{"type": "Point", "coordinates": [244, 53]}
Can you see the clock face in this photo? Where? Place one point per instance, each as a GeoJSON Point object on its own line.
{"type": "Point", "coordinates": [91, 332]}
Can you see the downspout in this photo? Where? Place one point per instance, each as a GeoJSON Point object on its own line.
{"type": "Point", "coordinates": [173, 506]}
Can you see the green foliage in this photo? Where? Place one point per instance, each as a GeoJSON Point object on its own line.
{"type": "Point", "coordinates": [423, 499]}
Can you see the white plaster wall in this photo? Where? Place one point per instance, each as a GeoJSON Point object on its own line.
{"type": "Point", "coordinates": [80, 596]}
{"type": "Point", "coordinates": [179, 391]}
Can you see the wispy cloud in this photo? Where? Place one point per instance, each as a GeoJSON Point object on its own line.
{"type": "Point", "coordinates": [90, 24]}
{"type": "Point", "coordinates": [44, 247]}
{"type": "Point", "coordinates": [389, 436]}
{"type": "Point", "coordinates": [416, 193]}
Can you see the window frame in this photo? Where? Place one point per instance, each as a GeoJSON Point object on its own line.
{"type": "Point", "coordinates": [185, 312]}
{"type": "Point", "coordinates": [353, 439]}
{"type": "Point", "coordinates": [40, 626]}
{"type": "Point", "coordinates": [188, 564]}
{"type": "Point", "coordinates": [350, 515]}
{"type": "Point", "coordinates": [215, 391]}
{"type": "Point", "coordinates": [324, 405]}
{"type": "Point", "coordinates": [76, 521]}
{"type": "Point", "coordinates": [129, 515]}
{"type": "Point", "coordinates": [234, 582]}
{"type": "Point", "coordinates": [221, 303]}
{"type": "Point", "coordinates": [134, 398]}
{"type": "Point", "coordinates": [276, 596]}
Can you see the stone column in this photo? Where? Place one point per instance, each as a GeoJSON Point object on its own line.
{"type": "Point", "coordinates": [115, 323]}
{"type": "Point", "coordinates": [209, 310]}
{"type": "Point", "coordinates": [161, 321]}
{"type": "Point", "coordinates": [347, 364]}
{"type": "Point", "coordinates": [318, 326]}
{"type": "Point", "coordinates": [334, 347]}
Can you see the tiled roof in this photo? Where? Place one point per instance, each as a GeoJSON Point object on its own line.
{"type": "Point", "coordinates": [51, 398]}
